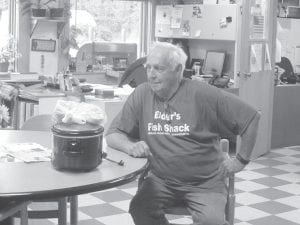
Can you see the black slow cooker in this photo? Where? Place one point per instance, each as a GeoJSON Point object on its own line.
{"type": "Point", "coordinates": [77, 147]}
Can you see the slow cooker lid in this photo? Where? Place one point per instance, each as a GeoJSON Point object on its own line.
{"type": "Point", "coordinates": [77, 129]}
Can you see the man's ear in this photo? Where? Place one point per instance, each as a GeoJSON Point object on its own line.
{"type": "Point", "coordinates": [178, 68]}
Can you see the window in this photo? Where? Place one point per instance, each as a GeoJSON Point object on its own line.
{"type": "Point", "coordinates": [104, 21]}
{"type": "Point", "coordinates": [4, 22]}
{"type": "Point", "coordinates": [8, 41]}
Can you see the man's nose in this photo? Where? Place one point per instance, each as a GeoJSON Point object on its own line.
{"type": "Point", "coordinates": [151, 73]}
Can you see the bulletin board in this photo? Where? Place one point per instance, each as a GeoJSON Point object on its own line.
{"type": "Point", "coordinates": [197, 21]}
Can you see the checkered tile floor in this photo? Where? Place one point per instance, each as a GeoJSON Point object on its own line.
{"type": "Point", "coordinates": [267, 192]}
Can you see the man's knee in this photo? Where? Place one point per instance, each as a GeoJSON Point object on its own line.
{"type": "Point", "coordinates": [135, 205]}
{"type": "Point", "coordinates": [146, 212]}
{"type": "Point", "coordinates": [209, 218]}
{"type": "Point", "coordinates": [141, 204]}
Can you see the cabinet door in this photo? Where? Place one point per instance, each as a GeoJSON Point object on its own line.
{"type": "Point", "coordinates": [215, 22]}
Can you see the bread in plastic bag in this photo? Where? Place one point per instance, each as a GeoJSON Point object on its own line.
{"type": "Point", "coordinates": [78, 112]}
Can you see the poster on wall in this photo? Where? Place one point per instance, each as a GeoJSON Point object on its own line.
{"type": "Point", "coordinates": [186, 29]}
{"type": "Point", "coordinates": [163, 15]}
{"type": "Point", "coordinates": [197, 11]}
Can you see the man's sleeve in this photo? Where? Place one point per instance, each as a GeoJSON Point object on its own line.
{"type": "Point", "coordinates": [127, 119]}
{"type": "Point", "coordinates": [233, 113]}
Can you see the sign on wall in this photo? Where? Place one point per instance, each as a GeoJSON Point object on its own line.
{"type": "Point", "coordinates": [41, 45]}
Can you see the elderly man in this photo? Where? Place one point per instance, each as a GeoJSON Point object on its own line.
{"type": "Point", "coordinates": [176, 123]}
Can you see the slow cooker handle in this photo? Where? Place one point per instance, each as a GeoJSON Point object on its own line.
{"type": "Point", "coordinates": [73, 152]}
{"type": "Point", "coordinates": [72, 145]}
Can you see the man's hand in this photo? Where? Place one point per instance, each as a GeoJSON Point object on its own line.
{"type": "Point", "coordinates": [231, 166]}
{"type": "Point", "coordinates": [139, 149]}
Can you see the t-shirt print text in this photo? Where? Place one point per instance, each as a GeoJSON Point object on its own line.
{"type": "Point", "coordinates": [163, 125]}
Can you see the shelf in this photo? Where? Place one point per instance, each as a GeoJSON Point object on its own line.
{"type": "Point", "coordinates": [288, 17]}
{"type": "Point", "coordinates": [60, 23]}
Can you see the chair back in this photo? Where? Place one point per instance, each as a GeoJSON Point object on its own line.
{"type": "Point", "coordinates": [41, 122]}
{"type": "Point", "coordinates": [135, 74]}
{"type": "Point", "coordinates": [12, 209]}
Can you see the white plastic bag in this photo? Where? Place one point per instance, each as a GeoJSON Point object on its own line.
{"type": "Point", "coordinates": [80, 113]}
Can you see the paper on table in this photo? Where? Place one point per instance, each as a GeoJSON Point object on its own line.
{"type": "Point", "coordinates": [28, 152]}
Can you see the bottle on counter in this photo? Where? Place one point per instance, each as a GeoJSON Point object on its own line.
{"type": "Point", "coordinates": [197, 68]}
{"type": "Point", "coordinates": [61, 81]}
{"type": "Point", "coordinates": [68, 81]}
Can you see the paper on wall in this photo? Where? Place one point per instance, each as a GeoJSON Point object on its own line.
{"type": "Point", "coordinates": [198, 33]}
{"type": "Point", "coordinates": [209, 1]}
{"type": "Point", "coordinates": [186, 30]}
{"type": "Point", "coordinates": [297, 55]}
{"type": "Point", "coordinates": [163, 15]}
{"type": "Point", "coordinates": [223, 2]}
{"type": "Point", "coordinates": [176, 16]}
{"type": "Point", "coordinates": [197, 11]}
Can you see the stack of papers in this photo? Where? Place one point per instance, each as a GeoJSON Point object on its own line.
{"type": "Point", "coordinates": [27, 152]}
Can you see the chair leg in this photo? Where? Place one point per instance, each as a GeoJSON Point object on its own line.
{"type": "Point", "coordinates": [24, 216]}
{"type": "Point", "coordinates": [74, 209]}
{"type": "Point", "coordinates": [230, 210]}
{"type": "Point", "coordinates": [62, 211]}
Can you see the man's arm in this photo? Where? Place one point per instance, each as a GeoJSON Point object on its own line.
{"type": "Point", "coordinates": [248, 139]}
{"type": "Point", "coordinates": [128, 145]}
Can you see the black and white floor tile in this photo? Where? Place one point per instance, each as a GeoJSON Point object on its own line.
{"type": "Point", "coordinates": [267, 192]}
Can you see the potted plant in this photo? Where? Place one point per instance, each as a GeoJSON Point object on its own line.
{"type": "Point", "coordinates": [60, 12]}
{"type": "Point", "coordinates": [38, 8]}
{"type": "Point", "coordinates": [4, 116]}
{"type": "Point", "coordinates": [8, 53]}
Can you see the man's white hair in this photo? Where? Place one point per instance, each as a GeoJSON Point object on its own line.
{"type": "Point", "coordinates": [172, 55]}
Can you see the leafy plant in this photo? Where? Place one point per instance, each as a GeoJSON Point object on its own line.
{"type": "Point", "coordinates": [26, 5]}
{"type": "Point", "coordinates": [4, 114]}
{"type": "Point", "coordinates": [9, 52]}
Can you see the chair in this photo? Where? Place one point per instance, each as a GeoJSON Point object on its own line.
{"type": "Point", "coordinates": [43, 122]}
{"type": "Point", "coordinates": [12, 208]}
{"type": "Point", "coordinates": [229, 209]}
{"type": "Point", "coordinates": [135, 74]}
{"type": "Point", "coordinates": [38, 123]}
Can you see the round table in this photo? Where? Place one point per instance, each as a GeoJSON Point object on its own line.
{"type": "Point", "coordinates": [39, 180]}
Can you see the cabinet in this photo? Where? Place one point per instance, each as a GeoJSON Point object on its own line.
{"type": "Point", "coordinates": [213, 22]}
{"type": "Point", "coordinates": [60, 23]}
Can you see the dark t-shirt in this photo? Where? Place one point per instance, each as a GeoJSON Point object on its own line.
{"type": "Point", "coordinates": [183, 133]}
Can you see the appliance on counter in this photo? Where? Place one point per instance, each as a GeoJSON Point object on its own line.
{"type": "Point", "coordinates": [293, 12]}
{"type": "Point", "coordinates": [104, 57]}
{"type": "Point", "coordinates": [77, 147]}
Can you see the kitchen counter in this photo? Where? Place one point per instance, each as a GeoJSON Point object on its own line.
{"type": "Point", "coordinates": [97, 78]}
{"type": "Point", "coordinates": [37, 100]}
{"type": "Point", "coordinates": [286, 112]}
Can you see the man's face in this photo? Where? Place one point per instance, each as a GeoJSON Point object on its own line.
{"type": "Point", "coordinates": [161, 78]}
